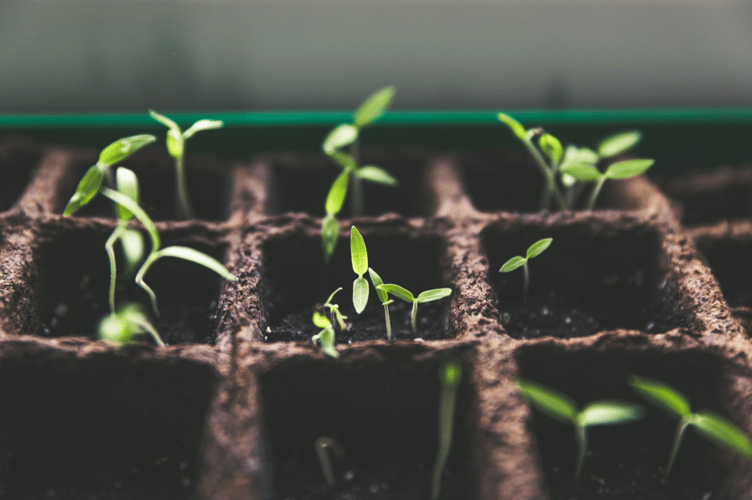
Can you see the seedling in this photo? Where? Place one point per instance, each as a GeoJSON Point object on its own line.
{"type": "Point", "coordinates": [450, 376]}
{"type": "Point", "coordinates": [176, 139]}
{"type": "Point", "coordinates": [535, 250]}
{"type": "Point", "coordinates": [334, 313]}
{"type": "Point", "coordinates": [384, 298]}
{"type": "Point", "coordinates": [325, 337]}
{"type": "Point", "coordinates": [321, 447]}
{"type": "Point", "coordinates": [407, 296]}
{"type": "Point", "coordinates": [708, 424]}
{"type": "Point", "coordinates": [619, 170]}
{"type": "Point", "coordinates": [563, 408]}
{"type": "Point", "coordinates": [353, 174]}
{"type": "Point", "coordinates": [119, 327]}
{"type": "Point", "coordinates": [359, 257]}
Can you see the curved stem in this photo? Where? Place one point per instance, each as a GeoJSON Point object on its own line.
{"type": "Point", "coordinates": [152, 331]}
{"type": "Point", "coordinates": [183, 206]}
{"type": "Point", "coordinates": [321, 445]}
{"type": "Point", "coordinates": [683, 424]}
{"type": "Point", "coordinates": [596, 191]}
{"type": "Point", "coordinates": [140, 280]}
{"type": "Point", "coordinates": [109, 248]}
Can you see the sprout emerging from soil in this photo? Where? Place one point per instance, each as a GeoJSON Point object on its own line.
{"type": "Point", "coordinates": [325, 337]}
{"type": "Point", "coordinates": [334, 313]}
{"type": "Point", "coordinates": [407, 296]}
{"type": "Point", "coordinates": [176, 139]}
{"type": "Point", "coordinates": [119, 327]}
{"type": "Point", "coordinates": [563, 408]}
{"type": "Point", "coordinates": [707, 423]}
{"type": "Point", "coordinates": [384, 298]}
{"type": "Point", "coordinates": [535, 250]}
{"type": "Point", "coordinates": [450, 376]}
{"type": "Point", "coordinates": [359, 256]}
{"type": "Point", "coordinates": [343, 136]}
{"type": "Point", "coordinates": [321, 447]}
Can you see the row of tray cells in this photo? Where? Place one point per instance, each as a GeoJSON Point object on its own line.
{"type": "Point", "coordinates": [132, 428]}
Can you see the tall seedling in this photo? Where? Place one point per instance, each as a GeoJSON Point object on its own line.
{"type": "Point", "coordinates": [450, 376]}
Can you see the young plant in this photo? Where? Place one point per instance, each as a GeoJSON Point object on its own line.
{"type": "Point", "coordinates": [535, 250]}
{"type": "Point", "coordinates": [176, 139]}
{"type": "Point", "coordinates": [353, 174]}
{"type": "Point", "coordinates": [707, 423]}
{"type": "Point", "coordinates": [450, 376]}
{"type": "Point", "coordinates": [119, 327]}
{"type": "Point", "coordinates": [563, 408]}
{"type": "Point", "coordinates": [325, 337]}
{"type": "Point", "coordinates": [359, 257]}
{"type": "Point", "coordinates": [334, 313]}
{"type": "Point", "coordinates": [321, 447]}
{"type": "Point", "coordinates": [616, 171]}
{"type": "Point", "coordinates": [384, 298]}
{"type": "Point", "coordinates": [407, 296]}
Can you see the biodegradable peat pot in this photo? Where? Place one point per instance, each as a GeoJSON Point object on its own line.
{"type": "Point", "coordinates": [231, 408]}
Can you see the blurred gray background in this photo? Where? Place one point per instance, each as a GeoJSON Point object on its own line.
{"type": "Point", "coordinates": [113, 55]}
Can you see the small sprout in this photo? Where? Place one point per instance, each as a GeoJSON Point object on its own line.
{"type": "Point", "coordinates": [563, 408]}
{"type": "Point", "coordinates": [535, 249]}
{"type": "Point", "coordinates": [176, 147]}
{"type": "Point", "coordinates": [616, 171]}
{"type": "Point", "coordinates": [384, 298]}
{"type": "Point", "coordinates": [333, 205]}
{"type": "Point", "coordinates": [325, 337]}
{"type": "Point", "coordinates": [707, 423]}
{"type": "Point", "coordinates": [450, 376]}
{"type": "Point", "coordinates": [320, 446]}
{"type": "Point", "coordinates": [119, 327]}
{"type": "Point", "coordinates": [407, 296]}
{"type": "Point", "coordinates": [359, 256]}
{"type": "Point", "coordinates": [334, 312]}
{"type": "Point", "coordinates": [620, 143]}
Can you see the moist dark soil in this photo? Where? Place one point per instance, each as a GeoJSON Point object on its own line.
{"type": "Point", "coordinates": [369, 325]}
{"type": "Point", "coordinates": [18, 159]}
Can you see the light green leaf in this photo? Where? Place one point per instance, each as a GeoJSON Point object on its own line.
{"type": "Point", "coordinates": [360, 294]}
{"type": "Point", "coordinates": [138, 212]}
{"type": "Point", "coordinates": [132, 242]}
{"type": "Point", "coordinates": [329, 300]}
{"type": "Point", "coordinates": [374, 106]}
{"type": "Point", "coordinates": [538, 247]}
{"type": "Point", "coordinates": [358, 252]}
{"type": "Point", "coordinates": [127, 183]}
{"type": "Point", "coordinates": [551, 146]}
{"type": "Point", "coordinates": [376, 280]}
{"type": "Point", "coordinates": [619, 143]}
{"type": "Point", "coordinates": [329, 235]}
{"type": "Point", "coordinates": [326, 339]}
{"type": "Point", "coordinates": [344, 160]}
{"type": "Point", "coordinates": [515, 126]}
{"type": "Point", "coordinates": [663, 395]}
{"type": "Point", "coordinates": [337, 193]}
{"type": "Point", "coordinates": [202, 125]}
{"type": "Point", "coordinates": [119, 328]}
{"type": "Point", "coordinates": [320, 320]}
{"type": "Point", "coordinates": [512, 264]}
{"type": "Point", "coordinates": [175, 143]}
{"type": "Point", "coordinates": [574, 155]}
{"type": "Point", "coordinates": [432, 295]}
{"type": "Point", "coordinates": [722, 432]}
{"type": "Point", "coordinates": [567, 180]}
{"type": "Point", "coordinates": [451, 374]}
{"type": "Point", "coordinates": [123, 148]}
{"type": "Point", "coordinates": [582, 172]}
{"type": "Point", "coordinates": [86, 190]}
{"type": "Point", "coordinates": [628, 168]}
{"type": "Point", "coordinates": [398, 292]}
{"type": "Point", "coordinates": [551, 402]}
{"type": "Point", "coordinates": [340, 136]}
{"type": "Point", "coordinates": [609, 412]}
{"type": "Point", "coordinates": [197, 257]}
{"type": "Point", "coordinates": [164, 120]}
{"type": "Point", "coordinates": [376, 174]}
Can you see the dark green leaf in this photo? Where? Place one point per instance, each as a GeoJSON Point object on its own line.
{"type": "Point", "coordinates": [376, 280]}
{"type": "Point", "coordinates": [538, 247]}
{"type": "Point", "coordinates": [619, 143]}
{"type": "Point", "coordinates": [628, 168]}
{"type": "Point", "coordinates": [609, 412]}
{"type": "Point", "coordinates": [358, 252]}
{"type": "Point", "coordinates": [374, 106]}
{"type": "Point", "coordinates": [360, 294]}
{"type": "Point", "coordinates": [515, 126]}
{"type": "Point", "coordinates": [127, 183]}
{"type": "Point", "coordinates": [329, 235]}
{"type": "Point", "coordinates": [123, 148]}
{"type": "Point", "coordinates": [340, 136]}
{"type": "Point", "coordinates": [581, 172]}
{"type": "Point", "coordinates": [398, 292]}
{"type": "Point", "coordinates": [86, 190]}
{"type": "Point", "coordinates": [663, 395]}
{"type": "Point", "coordinates": [376, 174]}
{"type": "Point", "coordinates": [551, 147]}
{"type": "Point", "coordinates": [722, 432]}
{"type": "Point", "coordinates": [513, 264]}
{"type": "Point", "coordinates": [549, 401]}
{"type": "Point", "coordinates": [337, 193]}
{"type": "Point", "coordinates": [432, 295]}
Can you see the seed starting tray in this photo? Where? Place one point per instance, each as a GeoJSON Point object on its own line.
{"type": "Point", "coordinates": [230, 409]}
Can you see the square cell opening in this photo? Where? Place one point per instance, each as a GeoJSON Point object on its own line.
{"type": "Point", "coordinates": [729, 261]}
{"type": "Point", "coordinates": [296, 282]}
{"type": "Point", "coordinates": [585, 282]}
{"type": "Point", "coordinates": [18, 159]}
{"type": "Point", "coordinates": [629, 460]}
{"type": "Point", "coordinates": [384, 414]}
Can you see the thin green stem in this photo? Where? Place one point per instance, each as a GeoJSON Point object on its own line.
{"type": "Point", "coordinates": [183, 205]}
{"type": "Point", "coordinates": [388, 322]}
{"type": "Point", "coordinates": [550, 189]}
{"type": "Point", "coordinates": [153, 331]}
{"type": "Point", "coordinates": [414, 316]}
{"type": "Point", "coordinates": [109, 248]}
{"type": "Point", "coordinates": [596, 191]}
{"type": "Point", "coordinates": [683, 424]}
{"type": "Point", "coordinates": [356, 196]}
{"type": "Point", "coordinates": [525, 283]}
{"type": "Point", "coordinates": [446, 424]}
{"type": "Point", "coordinates": [140, 280]}
{"type": "Point", "coordinates": [581, 435]}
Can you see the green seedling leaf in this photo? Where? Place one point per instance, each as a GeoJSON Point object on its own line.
{"type": "Point", "coordinates": [87, 188]}
{"type": "Point", "coordinates": [127, 183]}
{"type": "Point", "coordinates": [197, 257]}
{"type": "Point", "coordinates": [320, 320]}
{"type": "Point", "coordinates": [627, 168]}
{"type": "Point", "coordinates": [377, 175]}
{"type": "Point", "coordinates": [515, 126]}
{"type": "Point", "coordinates": [376, 280]}
{"type": "Point", "coordinates": [123, 148]}
{"type": "Point", "coordinates": [398, 292]}
{"type": "Point", "coordinates": [576, 156]}
{"type": "Point", "coordinates": [358, 252]}
{"type": "Point", "coordinates": [549, 401]}
{"type": "Point", "coordinates": [341, 136]}
{"type": "Point", "coordinates": [512, 264]}
{"type": "Point", "coordinates": [374, 106]}
{"type": "Point", "coordinates": [133, 249]}
{"type": "Point", "coordinates": [722, 432]}
{"type": "Point", "coordinates": [119, 328]}
{"type": "Point", "coordinates": [175, 143]}
{"type": "Point", "coordinates": [202, 125]}
{"type": "Point", "coordinates": [618, 143]}
{"type": "Point", "coordinates": [138, 212]}
{"type": "Point", "coordinates": [326, 339]}
{"type": "Point", "coordinates": [551, 147]}
{"type": "Point", "coordinates": [432, 295]}
{"type": "Point", "coordinates": [329, 235]}
{"type": "Point", "coordinates": [360, 294]}
{"type": "Point", "coordinates": [167, 122]}
{"type": "Point", "coordinates": [662, 395]}
{"type": "Point", "coordinates": [538, 247]}
{"type": "Point", "coordinates": [344, 160]}
{"type": "Point", "coordinates": [335, 292]}
{"type": "Point", "coordinates": [337, 193]}
{"type": "Point", "coordinates": [609, 412]}
{"type": "Point", "coordinates": [582, 172]}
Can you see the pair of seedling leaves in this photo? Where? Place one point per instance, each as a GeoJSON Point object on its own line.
{"type": "Point", "coordinates": [576, 164]}
{"type": "Point", "coordinates": [122, 324]}
{"type": "Point", "coordinates": [352, 175]}
{"type": "Point", "coordinates": [361, 291]}
{"type": "Point", "coordinates": [665, 397]}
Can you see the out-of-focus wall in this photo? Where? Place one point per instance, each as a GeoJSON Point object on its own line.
{"type": "Point", "coordinates": [113, 55]}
